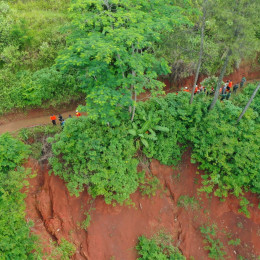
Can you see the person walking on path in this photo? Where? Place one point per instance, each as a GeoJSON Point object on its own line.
{"type": "Point", "coordinates": [78, 114]}
{"type": "Point", "coordinates": [60, 118]}
{"type": "Point", "coordinates": [53, 119]}
{"type": "Point", "coordinates": [243, 80]}
{"type": "Point", "coordinates": [62, 123]}
{"type": "Point", "coordinates": [235, 88]}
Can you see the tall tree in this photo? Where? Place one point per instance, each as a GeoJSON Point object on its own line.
{"type": "Point", "coordinates": [204, 11]}
{"type": "Point", "coordinates": [236, 23]}
{"type": "Point", "coordinates": [111, 45]}
{"type": "Point", "coordinates": [249, 102]}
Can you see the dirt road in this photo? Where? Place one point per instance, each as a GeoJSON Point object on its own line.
{"type": "Point", "coordinates": [29, 122]}
{"type": "Point", "coordinates": [14, 122]}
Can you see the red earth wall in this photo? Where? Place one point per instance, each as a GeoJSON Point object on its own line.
{"type": "Point", "coordinates": [114, 230]}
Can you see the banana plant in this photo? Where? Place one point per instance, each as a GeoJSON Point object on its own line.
{"type": "Point", "coordinates": [148, 130]}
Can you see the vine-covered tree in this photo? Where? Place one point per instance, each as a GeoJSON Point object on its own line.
{"type": "Point", "coordinates": [111, 45]}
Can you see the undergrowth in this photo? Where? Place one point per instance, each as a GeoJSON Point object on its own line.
{"type": "Point", "coordinates": [213, 245]}
{"type": "Point", "coordinates": [159, 247]}
{"type": "Point", "coordinates": [102, 158]}
{"type": "Point", "coordinates": [15, 239]}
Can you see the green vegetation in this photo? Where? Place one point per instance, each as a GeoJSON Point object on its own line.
{"type": "Point", "coordinates": [187, 202]}
{"type": "Point", "coordinates": [103, 157]}
{"type": "Point", "coordinates": [64, 251]}
{"type": "Point", "coordinates": [110, 52]}
{"type": "Point", "coordinates": [149, 186]}
{"type": "Point", "coordinates": [97, 156]}
{"type": "Point", "coordinates": [30, 40]}
{"type": "Point", "coordinates": [214, 246]}
{"type": "Point", "coordinates": [160, 247]}
{"type": "Point", "coordinates": [116, 46]}
{"type": "Point", "coordinates": [235, 242]}
{"type": "Point", "coordinates": [15, 239]}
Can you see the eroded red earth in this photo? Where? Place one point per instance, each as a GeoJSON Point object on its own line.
{"type": "Point", "coordinates": [114, 230]}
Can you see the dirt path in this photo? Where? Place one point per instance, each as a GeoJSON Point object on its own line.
{"type": "Point", "coordinates": [30, 122]}
{"type": "Point", "coordinates": [15, 121]}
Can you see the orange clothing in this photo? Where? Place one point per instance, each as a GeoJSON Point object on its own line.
{"type": "Point", "coordinates": [53, 117]}
{"type": "Point", "coordinates": [186, 90]}
{"type": "Point", "coordinates": [78, 114]}
{"type": "Point", "coordinates": [196, 90]}
{"type": "Point", "coordinates": [230, 84]}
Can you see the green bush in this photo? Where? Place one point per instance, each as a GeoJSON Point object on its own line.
{"type": "Point", "coordinates": [159, 247]}
{"type": "Point", "coordinates": [164, 122]}
{"type": "Point", "coordinates": [214, 246]}
{"type": "Point", "coordinates": [97, 156]}
{"type": "Point", "coordinates": [187, 202]}
{"type": "Point", "coordinates": [15, 239]}
{"type": "Point", "coordinates": [228, 152]}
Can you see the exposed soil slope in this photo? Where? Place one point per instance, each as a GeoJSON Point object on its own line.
{"type": "Point", "coordinates": [113, 231]}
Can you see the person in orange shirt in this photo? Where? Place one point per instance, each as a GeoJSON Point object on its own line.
{"type": "Point", "coordinates": [186, 89]}
{"type": "Point", "coordinates": [53, 119]}
{"type": "Point", "coordinates": [196, 89]}
{"type": "Point", "coordinates": [230, 84]}
{"type": "Point", "coordinates": [78, 114]}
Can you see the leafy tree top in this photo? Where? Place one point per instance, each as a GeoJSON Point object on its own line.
{"type": "Point", "coordinates": [111, 45]}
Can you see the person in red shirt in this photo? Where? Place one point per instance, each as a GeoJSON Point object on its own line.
{"type": "Point", "coordinates": [53, 119]}
{"type": "Point", "coordinates": [230, 84]}
{"type": "Point", "coordinates": [196, 89]}
{"type": "Point", "coordinates": [78, 114]}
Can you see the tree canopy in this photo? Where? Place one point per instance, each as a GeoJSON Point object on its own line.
{"type": "Point", "coordinates": [112, 46]}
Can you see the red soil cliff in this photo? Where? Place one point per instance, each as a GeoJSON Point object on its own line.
{"type": "Point", "coordinates": [114, 230]}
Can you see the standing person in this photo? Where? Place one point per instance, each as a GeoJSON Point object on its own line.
{"type": "Point", "coordinates": [228, 95]}
{"type": "Point", "coordinates": [224, 89]}
{"type": "Point", "coordinates": [62, 123]}
{"type": "Point", "coordinates": [235, 88]}
{"type": "Point", "coordinates": [230, 84]}
{"type": "Point", "coordinates": [70, 116]}
{"type": "Point", "coordinates": [243, 80]}
{"type": "Point", "coordinates": [78, 114]}
{"type": "Point", "coordinates": [196, 90]}
{"type": "Point", "coordinates": [53, 119]}
{"type": "Point", "coordinates": [60, 118]}
{"type": "Point", "coordinates": [186, 89]}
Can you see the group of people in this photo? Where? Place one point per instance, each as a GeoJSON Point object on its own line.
{"type": "Point", "coordinates": [224, 91]}
{"type": "Point", "coordinates": [61, 119]}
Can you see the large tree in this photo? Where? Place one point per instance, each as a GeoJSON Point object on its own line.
{"type": "Point", "coordinates": [235, 28]}
{"type": "Point", "coordinates": [112, 46]}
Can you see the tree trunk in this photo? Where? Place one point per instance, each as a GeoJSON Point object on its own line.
{"type": "Point", "coordinates": [201, 50]}
{"type": "Point", "coordinates": [220, 78]}
{"type": "Point", "coordinates": [133, 112]}
{"type": "Point", "coordinates": [249, 102]}
{"type": "Point", "coordinates": [134, 105]}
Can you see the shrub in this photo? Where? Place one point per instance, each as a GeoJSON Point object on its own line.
{"type": "Point", "coordinates": [97, 156]}
{"type": "Point", "coordinates": [213, 245]}
{"type": "Point", "coordinates": [187, 202]}
{"type": "Point", "coordinates": [15, 239]}
{"type": "Point", "coordinates": [159, 247]}
{"type": "Point", "coordinates": [229, 152]}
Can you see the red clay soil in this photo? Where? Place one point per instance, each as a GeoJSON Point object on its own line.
{"type": "Point", "coordinates": [114, 230]}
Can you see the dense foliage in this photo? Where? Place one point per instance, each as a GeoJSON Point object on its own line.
{"type": "Point", "coordinates": [15, 240]}
{"type": "Point", "coordinates": [159, 247]}
{"type": "Point", "coordinates": [114, 53]}
{"type": "Point", "coordinates": [30, 40]}
{"type": "Point", "coordinates": [102, 157]}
